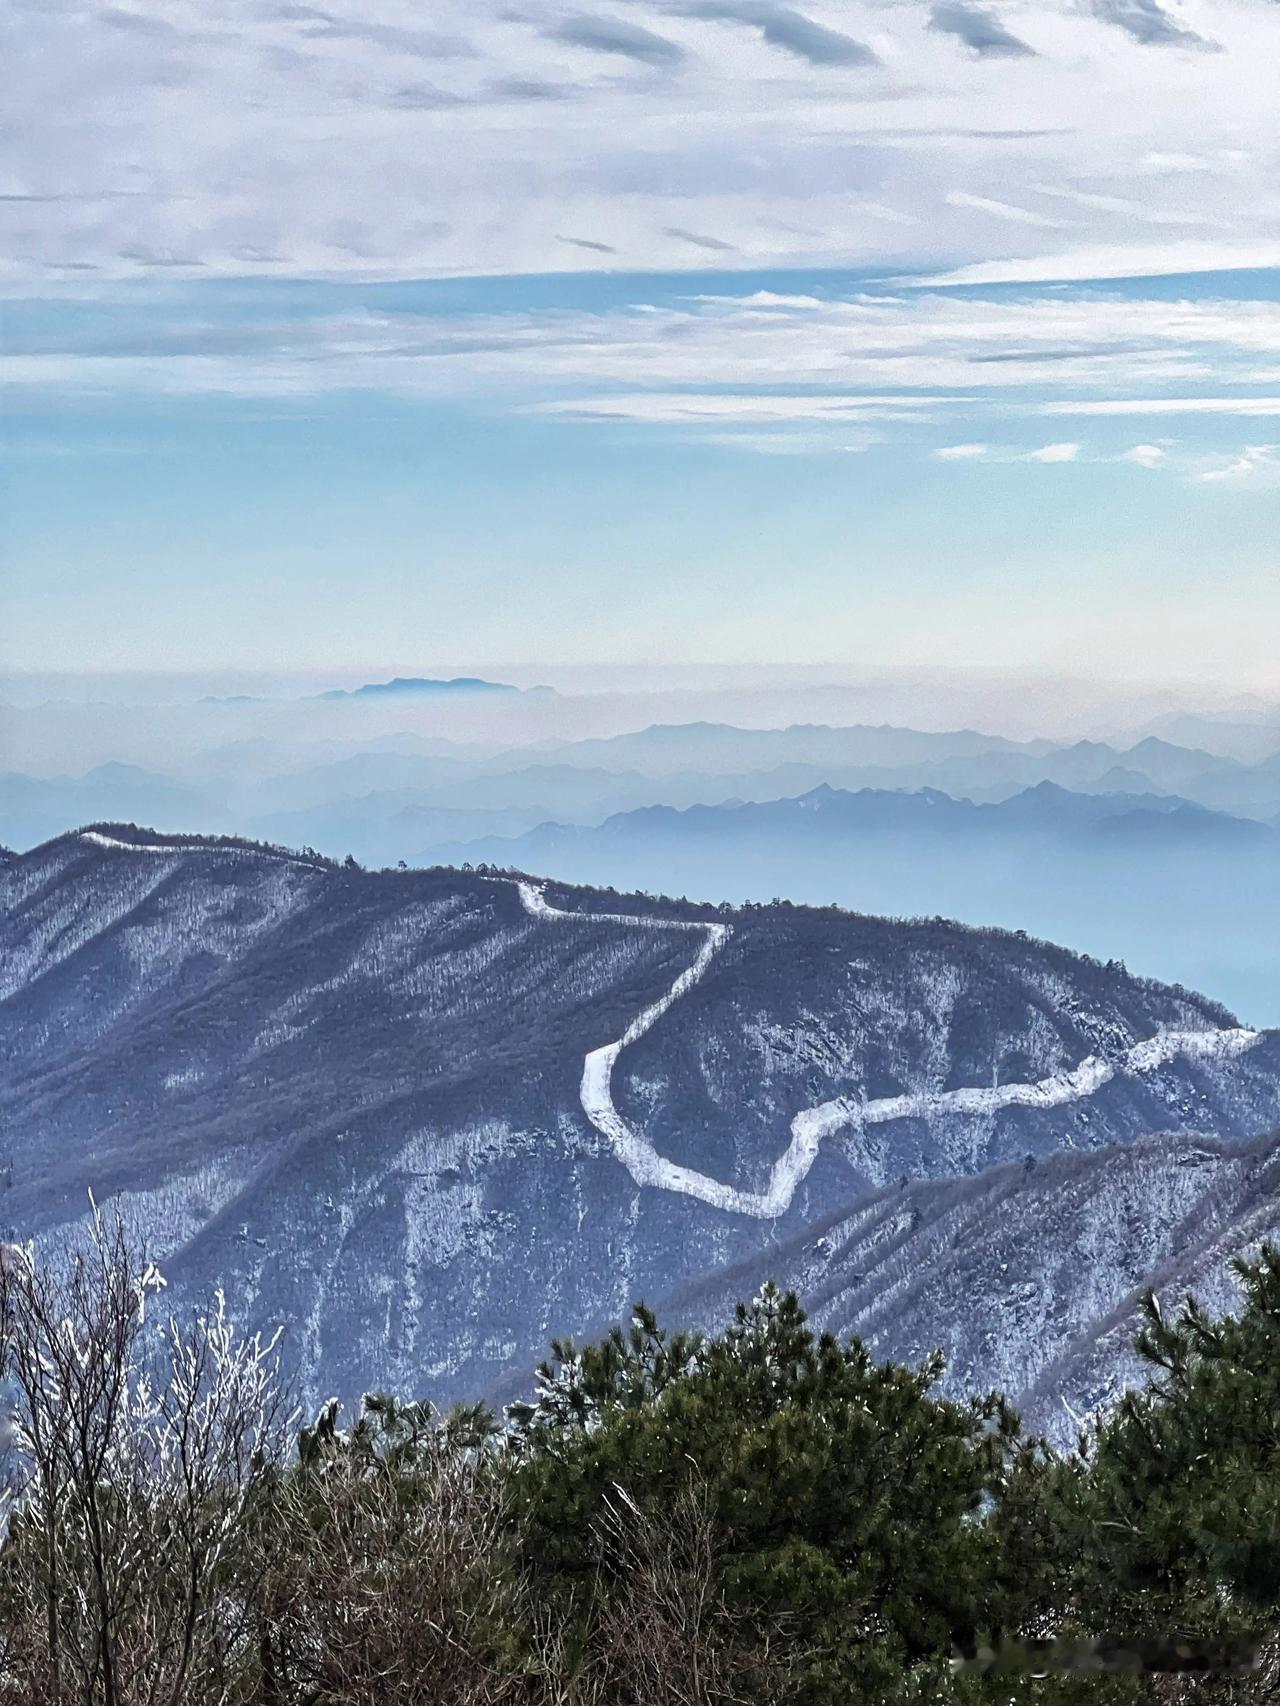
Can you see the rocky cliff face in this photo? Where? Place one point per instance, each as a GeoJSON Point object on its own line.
{"type": "Point", "coordinates": [429, 1118]}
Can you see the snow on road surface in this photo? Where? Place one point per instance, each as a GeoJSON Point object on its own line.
{"type": "Point", "coordinates": [632, 1147]}
{"type": "Point", "coordinates": [811, 1125]}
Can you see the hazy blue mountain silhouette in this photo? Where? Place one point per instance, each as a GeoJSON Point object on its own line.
{"type": "Point", "coordinates": [1180, 891]}
{"type": "Point", "coordinates": [421, 686]}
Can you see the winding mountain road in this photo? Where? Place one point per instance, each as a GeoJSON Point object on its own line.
{"type": "Point", "coordinates": [811, 1125]}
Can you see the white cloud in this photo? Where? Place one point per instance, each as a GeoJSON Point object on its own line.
{"type": "Point", "coordinates": [1145, 455]}
{"type": "Point", "coordinates": [1131, 208]}
{"type": "Point", "coordinates": [1216, 160]}
{"type": "Point", "coordinates": [1002, 210]}
{"type": "Point", "coordinates": [1254, 459]}
{"type": "Point", "coordinates": [894, 215]}
{"type": "Point", "coordinates": [792, 443]}
{"type": "Point", "coordinates": [1117, 260]}
{"type": "Point", "coordinates": [1247, 406]}
{"type": "Point", "coordinates": [795, 370]}
{"type": "Point", "coordinates": [682, 407]}
{"type": "Point", "coordinates": [1094, 355]}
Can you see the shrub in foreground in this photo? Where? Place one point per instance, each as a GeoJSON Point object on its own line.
{"type": "Point", "coordinates": [761, 1517]}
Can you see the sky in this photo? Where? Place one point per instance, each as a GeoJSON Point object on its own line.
{"type": "Point", "coordinates": [861, 332]}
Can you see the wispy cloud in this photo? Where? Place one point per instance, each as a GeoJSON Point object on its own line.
{"type": "Point", "coordinates": [140, 23]}
{"type": "Point", "coordinates": [698, 239]}
{"type": "Point", "coordinates": [675, 408]}
{"type": "Point", "coordinates": [1054, 453]}
{"type": "Point", "coordinates": [1002, 210]}
{"type": "Point", "coordinates": [893, 215]}
{"type": "Point", "coordinates": [782, 26]}
{"type": "Point", "coordinates": [425, 97]}
{"type": "Point", "coordinates": [1131, 209]}
{"type": "Point", "coordinates": [961, 452]}
{"type": "Point", "coordinates": [1053, 352]}
{"type": "Point", "coordinates": [1243, 406]}
{"type": "Point", "coordinates": [1253, 460]}
{"type": "Point", "coordinates": [1181, 161]}
{"type": "Point", "coordinates": [528, 89]}
{"type": "Point", "coordinates": [320, 25]}
{"type": "Point", "coordinates": [588, 243]}
{"type": "Point", "coordinates": [616, 35]}
{"type": "Point", "coordinates": [1127, 259]}
{"type": "Point", "coordinates": [978, 28]}
{"type": "Point", "coordinates": [792, 442]}
{"type": "Point", "coordinates": [1149, 23]}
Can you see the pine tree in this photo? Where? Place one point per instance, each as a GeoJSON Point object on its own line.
{"type": "Point", "coordinates": [1173, 1510]}
{"type": "Point", "coordinates": [846, 1495]}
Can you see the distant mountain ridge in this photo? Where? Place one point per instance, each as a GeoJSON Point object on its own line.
{"type": "Point", "coordinates": [1184, 892]}
{"type": "Point", "coordinates": [664, 746]}
{"type": "Point", "coordinates": [839, 819]}
{"type": "Point", "coordinates": [421, 686]}
{"type": "Point", "coordinates": [429, 1118]}
{"type": "Point", "coordinates": [33, 808]}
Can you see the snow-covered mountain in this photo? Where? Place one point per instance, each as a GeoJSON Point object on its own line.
{"type": "Point", "coordinates": [429, 1118]}
{"type": "Point", "coordinates": [1027, 1275]}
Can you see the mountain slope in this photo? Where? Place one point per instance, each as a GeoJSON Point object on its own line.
{"type": "Point", "coordinates": [430, 1117]}
{"type": "Point", "coordinates": [1028, 1275]}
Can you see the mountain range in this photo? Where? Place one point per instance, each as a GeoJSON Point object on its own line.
{"type": "Point", "coordinates": [1174, 889]}
{"type": "Point", "coordinates": [428, 1118]}
{"type": "Point", "coordinates": [1157, 853]}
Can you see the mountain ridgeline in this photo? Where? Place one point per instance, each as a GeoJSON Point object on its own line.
{"type": "Point", "coordinates": [1165, 855]}
{"type": "Point", "coordinates": [428, 1118]}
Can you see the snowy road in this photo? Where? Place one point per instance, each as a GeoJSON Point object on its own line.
{"type": "Point", "coordinates": [811, 1125]}
{"type": "Point", "coordinates": [632, 1147]}
{"type": "Point", "coordinates": [97, 839]}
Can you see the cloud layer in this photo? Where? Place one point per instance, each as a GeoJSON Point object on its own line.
{"type": "Point", "coordinates": [1080, 353]}
{"type": "Point", "coordinates": [961, 378]}
{"type": "Point", "coordinates": [266, 164]}
{"type": "Point", "coordinates": [278, 138]}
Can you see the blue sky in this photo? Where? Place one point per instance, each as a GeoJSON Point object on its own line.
{"type": "Point", "coordinates": [861, 333]}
